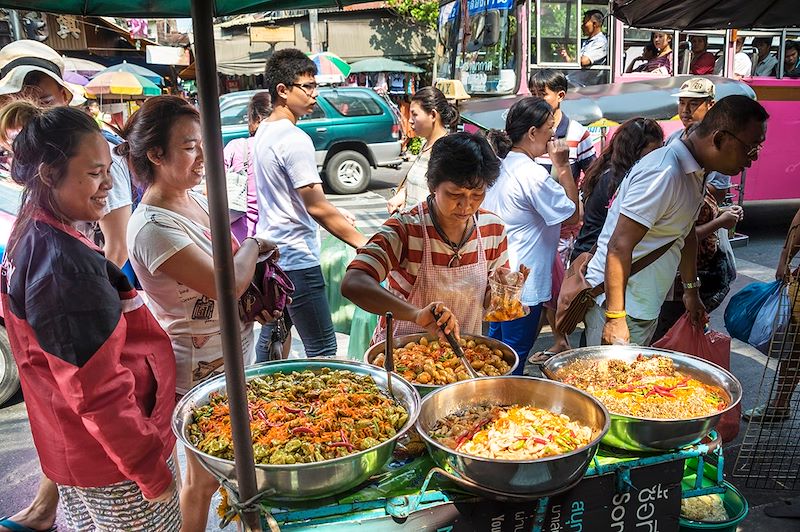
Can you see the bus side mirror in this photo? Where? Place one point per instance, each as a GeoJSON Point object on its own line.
{"type": "Point", "coordinates": [491, 28]}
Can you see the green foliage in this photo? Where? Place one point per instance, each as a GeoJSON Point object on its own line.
{"type": "Point", "coordinates": [425, 12]}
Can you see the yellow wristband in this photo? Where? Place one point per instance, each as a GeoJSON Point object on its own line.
{"type": "Point", "coordinates": [615, 314]}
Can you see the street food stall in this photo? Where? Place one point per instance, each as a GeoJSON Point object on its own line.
{"type": "Point", "coordinates": [339, 479]}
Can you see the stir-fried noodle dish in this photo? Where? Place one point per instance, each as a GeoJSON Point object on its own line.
{"type": "Point", "coordinates": [302, 417]}
{"type": "Point", "coordinates": [649, 387]}
{"type": "Point", "coordinates": [432, 363]}
{"type": "Point", "coordinates": [510, 432]}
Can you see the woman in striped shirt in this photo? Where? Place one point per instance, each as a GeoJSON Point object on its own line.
{"type": "Point", "coordinates": [438, 253]}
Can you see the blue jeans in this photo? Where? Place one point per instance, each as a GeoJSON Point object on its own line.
{"type": "Point", "coordinates": [310, 314]}
{"type": "Point", "coordinates": [519, 334]}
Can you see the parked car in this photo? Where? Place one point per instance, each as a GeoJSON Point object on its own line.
{"type": "Point", "coordinates": [9, 205]}
{"type": "Point", "coordinates": [353, 129]}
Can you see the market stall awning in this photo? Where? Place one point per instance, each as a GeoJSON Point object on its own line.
{"type": "Point", "coordinates": [383, 64]}
{"type": "Point", "coordinates": [165, 8]}
{"type": "Point", "coordinates": [707, 14]}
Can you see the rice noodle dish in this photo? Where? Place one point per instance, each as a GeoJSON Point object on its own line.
{"type": "Point", "coordinates": [302, 417]}
{"type": "Point", "coordinates": [510, 432]}
{"type": "Point", "coordinates": [649, 387]}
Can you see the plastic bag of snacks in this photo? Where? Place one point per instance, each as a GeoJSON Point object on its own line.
{"type": "Point", "coordinates": [505, 303]}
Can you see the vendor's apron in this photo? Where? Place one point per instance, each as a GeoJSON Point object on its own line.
{"type": "Point", "coordinates": [448, 285]}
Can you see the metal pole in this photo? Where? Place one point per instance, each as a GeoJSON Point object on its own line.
{"type": "Point", "coordinates": [313, 30]}
{"type": "Point", "coordinates": [206, 65]}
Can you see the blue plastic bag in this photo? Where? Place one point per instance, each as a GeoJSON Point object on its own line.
{"type": "Point", "coordinates": [774, 315]}
{"type": "Point", "coordinates": [743, 308]}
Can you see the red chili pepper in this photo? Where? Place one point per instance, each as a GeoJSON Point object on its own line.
{"type": "Point", "coordinates": [302, 430]}
{"type": "Point", "coordinates": [721, 406]}
{"type": "Point", "coordinates": [539, 440]}
{"type": "Point", "coordinates": [341, 444]}
{"type": "Point", "coordinates": [627, 389]}
{"type": "Point", "coordinates": [293, 410]}
{"type": "Point", "coordinates": [260, 413]}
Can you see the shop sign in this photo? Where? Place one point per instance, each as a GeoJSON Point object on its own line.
{"type": "Point", "coordinates": [272, 34]}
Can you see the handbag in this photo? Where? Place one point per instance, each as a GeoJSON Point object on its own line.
{"type": "Point", "coordinates": [269, 291]}
{"type": "Point", "coordinates": [577, 295]}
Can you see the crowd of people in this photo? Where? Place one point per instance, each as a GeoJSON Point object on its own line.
{"type": "Point", "coordinates": [101, 370]}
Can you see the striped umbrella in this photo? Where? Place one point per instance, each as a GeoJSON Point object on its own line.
{"type": "Point", "coordinates": [122, 84]}
{"type": "Point", "coordinates": [135, 69]}
{"type": "Point", "coordinates": [330, 67]}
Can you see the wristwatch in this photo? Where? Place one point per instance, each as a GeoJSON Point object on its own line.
{"type": "Point", "coordinates": [262, 246]}
{"type": "Point", "coordinates": [691, 284]}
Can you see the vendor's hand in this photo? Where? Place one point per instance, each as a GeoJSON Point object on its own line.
{"type": "Point", "coordinates": [428, 321]}
{"type": "Point", "coordinates": [728, 218]}
{"type": "Point", "coordinates": [351, 219]}
{"type": "Point", "coordinates": [525, 271]}
{"type": "Point", "coordinates": [166, 495]}
{"type": "Point", "coordinates": [616, 332]}
{"type": "Point", "coordinates": [695, 307]}
{"type": "Point", "coordinates": [396, 202]}
{"type": "Point", "coordinates": [558, 151]}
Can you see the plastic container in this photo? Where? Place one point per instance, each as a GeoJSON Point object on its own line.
{"type": "Point", "coordinates": [736, 506]}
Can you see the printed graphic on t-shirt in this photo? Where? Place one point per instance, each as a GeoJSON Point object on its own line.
{"type": "Point", "coordinates": [203, 308]}
{"type": "Point", "coordinates": [205, 370]}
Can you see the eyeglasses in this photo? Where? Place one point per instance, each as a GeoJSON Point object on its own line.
{"type": "Point", "coordinates": [752, 151]}
{"type": "Point", "coordinates": [308, 88]}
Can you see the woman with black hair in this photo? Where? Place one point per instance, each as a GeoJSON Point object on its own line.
{"type": "Point", "coordinates": [438, 253]}
{"type": "Point", "coordinates": [97, 370]}
{"type": "Point", "coordinates": [634, 139]}
{"type": "Point", "coordinates": [432, 117]}
{"type": "Point", "coordinates": [533, 206]}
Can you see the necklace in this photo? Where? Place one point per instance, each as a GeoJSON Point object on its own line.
{"type": "Point", "coordinates": [455, 260]}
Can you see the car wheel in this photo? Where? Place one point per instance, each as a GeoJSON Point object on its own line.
{"type": "Point", "coordinates": [348, 172]}
{"type": "Point", "coordinates": [9, 377]}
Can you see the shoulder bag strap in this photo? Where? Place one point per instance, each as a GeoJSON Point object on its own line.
{"type": "Point", "coordinates": [637, 266]}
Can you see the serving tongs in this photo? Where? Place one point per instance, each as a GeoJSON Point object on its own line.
{"type": "Point", "coordinates": [451, 339]}
{"type": "Point", "coordinates": [388, 363]}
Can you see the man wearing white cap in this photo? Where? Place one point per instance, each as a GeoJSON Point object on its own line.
{"type": "Point", "coordinates": [34, 70]}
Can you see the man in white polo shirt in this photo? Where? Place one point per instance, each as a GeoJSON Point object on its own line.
{"type": "Point", "coordinates": [658, 204]}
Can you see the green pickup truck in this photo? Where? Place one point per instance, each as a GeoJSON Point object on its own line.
{"type": "Point", "coordinates": [353, 129]}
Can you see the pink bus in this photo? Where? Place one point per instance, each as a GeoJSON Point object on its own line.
{"type": "Point", "coordinates": [495, 46]}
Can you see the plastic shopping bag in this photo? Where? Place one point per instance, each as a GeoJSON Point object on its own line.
{"type": "Point", "coordinates": [744, 306]}
{"type": "Point", "coordinates": [773, 316]}
{"type": "Point", "coordinates": [712, 346]}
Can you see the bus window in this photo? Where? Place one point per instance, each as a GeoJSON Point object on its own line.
{"type": "Point", "coordinates": [486, 61]}
{"type": "Point", "coordinates": [558, 28]}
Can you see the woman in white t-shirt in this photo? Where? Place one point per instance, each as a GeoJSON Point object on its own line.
{"type": "Point", "coordinates": [169, 244]}
{"type": "Point", "coordinates": [533, 206]}
{"type": "Point", "coordinates": [431, 118]}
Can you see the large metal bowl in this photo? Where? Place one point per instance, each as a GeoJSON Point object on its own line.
{"type": "Point", "coordinates": [646, 434]}
{"type": "Point", "coordinates": [509, 355]}
{"type": "Point", "coordinates": [530, 478]}
{"type": "Point", "coordinates": [302, 481]}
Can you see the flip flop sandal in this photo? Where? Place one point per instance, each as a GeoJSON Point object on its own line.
{"type": "Point", "coordinates": [541, 357]}
{"type": "Point", "coordinates": [766, 414]}
{"type": "Point", "coordinates": [17, 527]}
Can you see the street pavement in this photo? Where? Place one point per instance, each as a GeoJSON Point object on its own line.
{"type": "Point", "coordinates": [766, 224]}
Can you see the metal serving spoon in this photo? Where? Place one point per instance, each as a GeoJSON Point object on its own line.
{"type": "Point", "coordinates": [388, 363]}
{"type": "Point", "coordinates": [451, 339]}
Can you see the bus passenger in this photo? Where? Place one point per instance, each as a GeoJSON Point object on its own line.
{"type": "Point", "coordinates": [662, 64]}
{"type": "Point", "coordinates": [702, 60]}
{"type": "Point", "coordinates": [649, 52]}
{"type": "Point", "coordinates": [767, 63]}
{"type": "Point", "coordinates": [742, 64]}
{"type": "Point", "coordinates": [791, 60]}
{"type": "Point", "coordinates": [594, 49]}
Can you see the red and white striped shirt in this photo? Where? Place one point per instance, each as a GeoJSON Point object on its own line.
{"type": "Point", "coordinates": [396, 250]}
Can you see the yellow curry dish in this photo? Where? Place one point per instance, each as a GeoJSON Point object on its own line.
{"type": "Point", "coordinates": [649, 387]}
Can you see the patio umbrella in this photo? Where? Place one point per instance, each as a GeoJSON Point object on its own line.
{"type": "Point", "coordinates": [135, 69]}
{"type": "Point", "coordinates": [84, 67]}
{"type": "Point", "coordinates": [121, 84]}
{"type": "Point", "coordinates": [383, 64]}
{"type": "Point", "coordinates": [73, 77]}
{"type": "Point", "coordinates": [330, 67]}
{"type": "Point", "coordinates": [203, 13]}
